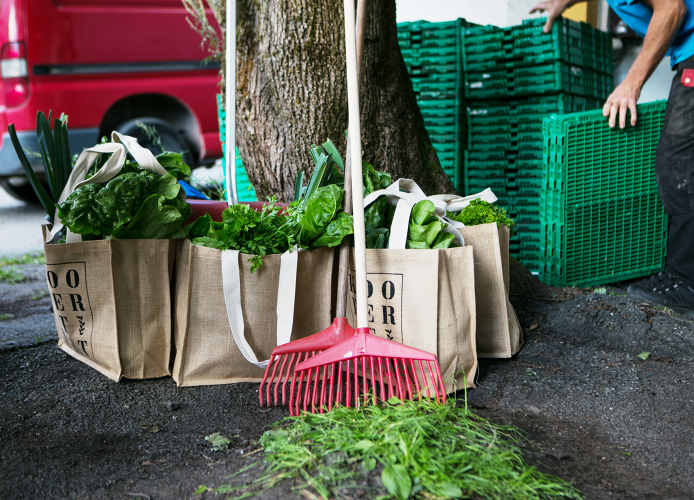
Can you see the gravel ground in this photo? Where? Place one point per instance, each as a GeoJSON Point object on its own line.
{"type": "Point", "coordinates": [617, 426]}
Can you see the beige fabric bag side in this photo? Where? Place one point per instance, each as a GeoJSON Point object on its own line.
{"type": "Point", "coordinates": [112, 304]}
{"type": "Point", "coordinates": [498, 332]}
{"type": "Point", "coordinates": [206, 353]}
{"type": "Point", "coordinates": [425, 299]}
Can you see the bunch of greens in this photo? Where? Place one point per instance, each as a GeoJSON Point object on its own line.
{"type": "Point", "coordinates": [481, 212]}
{"type": "Point", "coordinates": [423, 450]}
{"type": "Point", "coordinates": [135, 204]}
{"type": "Point", "coordinates": [55, 153]}
{"type": "Point", "coordinates": [379, 215]}
{"type": "Point", "coordinates": [248, 231]}
{"type": "Point", "coordinates": [426, 230]}
{"type": "Point", "coordinates": [315, 219]}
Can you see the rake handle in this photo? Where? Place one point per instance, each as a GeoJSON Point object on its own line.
{"type": "Point", "coordinates": [355, 152]}
{"type": "Point", "coordinates": [343, 269]}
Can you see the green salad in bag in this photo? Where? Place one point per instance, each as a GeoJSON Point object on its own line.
{"type": "Point", "coordinates": [135, 204]}
{"type": "Point", "coordinates": [482, 212]}
{"type": "Point", "coordinates": [315, 219]}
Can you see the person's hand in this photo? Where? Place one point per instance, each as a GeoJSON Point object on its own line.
{"type": "Point", "coordinates": [554, 9]}
{"type": "Point", "coordinates": [622, 99]}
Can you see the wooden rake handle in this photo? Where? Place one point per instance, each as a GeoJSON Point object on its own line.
{"type": "Point", "coordinates": [343, 269]}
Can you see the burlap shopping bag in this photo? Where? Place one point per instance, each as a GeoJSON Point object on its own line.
{"type": "Point", "coordinates": [498, 331]}
{"type": "Point", "coordinates": [112, 304]}
{"type": "Point", "coordinates": [499, 334]}
{"type": "Point", "coordinates": [111, 298]}
{"type": "Point", "coordinates": [275, 304]}
{"type": "Point", "coordinates": [425, 299]}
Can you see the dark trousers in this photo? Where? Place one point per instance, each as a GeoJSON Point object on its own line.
{"type": "Point", "coordinates": [674, 168]}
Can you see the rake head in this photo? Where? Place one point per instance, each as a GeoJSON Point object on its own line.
{"type": "Point", "coordinates": [287, 356]}
{"type": "Point", "coordinates": [386, 369]}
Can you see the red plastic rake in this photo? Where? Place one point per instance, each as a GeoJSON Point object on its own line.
{"type": "Point", "coordinates": [386, 369]}
{"type": "Point", "coordinates": [364, 352]}
{"type": "Point", "coordinates": [287, 356]}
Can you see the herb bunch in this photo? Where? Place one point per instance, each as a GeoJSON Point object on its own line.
{"type": "Point", "coordinates": [482, 212]}
{"type": "Point", "coordinates": [314, 220]}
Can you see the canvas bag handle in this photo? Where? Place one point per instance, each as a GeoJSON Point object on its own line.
{"type": "Point", "coordinates": [120, 146]}
{"type": "Point", "coordinates": [405, 194]}
{"type": "Point", "coordinates": [286, 295]}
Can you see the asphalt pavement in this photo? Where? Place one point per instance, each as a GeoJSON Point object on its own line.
{"type": "Point", "coordinates": [20, 226]}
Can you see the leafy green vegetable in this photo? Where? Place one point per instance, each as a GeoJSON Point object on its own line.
{"type": "Point", "coordinates": [173, 163]}
{"type": "Point", "coordinates": [482, 212]}
{"type": "Point", "coordinates": [55, 154]}
{"type": "Point", "coordinates": [134, 204]}
{"type": "Point", "coordinates": [339, 227]}
{"type": "Point", "coordinates": [378, 216]}
{"type": "Point", "coordinates": [256, 233]}
{"type": "Point", "coordinates": [319, 210]}
{"type": "Point", "coordinates": [317, 223]}
{"type": "Point", "coordinates": [312, 221]}
{"type": "Point", "coordinates": [426, 230]}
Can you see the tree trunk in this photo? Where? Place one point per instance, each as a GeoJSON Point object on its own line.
{"type": "Point", "coordinates": [292, 93]}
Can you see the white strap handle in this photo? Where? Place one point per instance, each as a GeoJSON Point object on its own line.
{"type": "Point", "coordinates": [286, 296]}
{"type": "Point", "coordinates": [120, 147]}
{"type": "Point", "coordinates": [405, 194]}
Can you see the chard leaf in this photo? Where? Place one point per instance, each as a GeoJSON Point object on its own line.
{"type": "Point", "coordinates": [154, 220]}
{"type": "Point", "coordinates": [417, 245]}
{"type": "Point", "coordinates": [320, 209]}
{"type": "Point", "coordinates": [342, 225]}
{"type": "Point", "coordinates": [168, 186]}
{"type": "Point", "coordinates": [173, 163]}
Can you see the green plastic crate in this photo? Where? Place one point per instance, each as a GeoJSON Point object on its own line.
{"type": "Point", "coordinates": [604, 242]}
{"type": "Point", "coordinates": [488, 112]}
{"type": "Point", "coordinates": [489, 47]}
{"type": "Point", "coordinates": [597, 181]}
{"type": "Point", "coordinates": [585, 161]}
{"type": "Point", "coordinates": [555, 76]}
{"type": "Point", "coordinates": [244, 189]}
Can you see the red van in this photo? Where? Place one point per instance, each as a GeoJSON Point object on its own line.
{"type": "Point", "coordinates": [107, 64]}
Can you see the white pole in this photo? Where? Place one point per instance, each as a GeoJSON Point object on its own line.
{"type": "Point", "coordinates": [230, 104]}
{"type": "Point", "coordinates": [354, 150]}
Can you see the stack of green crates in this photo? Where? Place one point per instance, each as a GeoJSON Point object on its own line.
{"type": "Point", "coordinates": [433, 56]}
{"type": "Point", "coordinates": [514, 77]}
{"type": "Point", "coordinates": [602, 219]}
{"type": "Point", "coordinates": [244, 189]}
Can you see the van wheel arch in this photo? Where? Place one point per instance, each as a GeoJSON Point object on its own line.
{"type": "Point", "coordinates": [158, 106]}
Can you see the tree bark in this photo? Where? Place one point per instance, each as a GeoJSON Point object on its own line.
{"type": "Point", "coordinates": [292, 93]}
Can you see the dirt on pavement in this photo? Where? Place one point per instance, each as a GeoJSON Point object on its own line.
{"type": "Point", "coordinates": [615, 425]}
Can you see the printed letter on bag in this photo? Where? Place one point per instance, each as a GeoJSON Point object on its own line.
{"type": "Point", "coordinates": [384, 303]}
{"type": "Point", "coordinates": [68, 285]}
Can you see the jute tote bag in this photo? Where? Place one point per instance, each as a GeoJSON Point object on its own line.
{"type": "Point", "coordinates": [112, 304]}
{"type": "Point", "coordinates": [227, 319]}
{"type": "Point", "coordinates": [111, 298]}
{"type": "Point", "coordinates": [425, 299]}
{"type": "Point", "coordinates": [499, 334]}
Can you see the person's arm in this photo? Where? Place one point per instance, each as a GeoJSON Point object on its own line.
{"type": "Point", "coordinates": [554, 9]}
{"type": "Point", "coordinates": [666, 20]}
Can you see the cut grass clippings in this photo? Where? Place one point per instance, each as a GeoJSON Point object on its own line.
{"type": "Point", "coordinates": [425, 450]}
